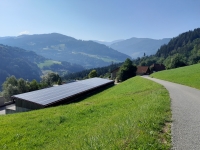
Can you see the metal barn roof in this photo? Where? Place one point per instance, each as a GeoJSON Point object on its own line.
{"type": "Point", "coordinates": [52, 95]}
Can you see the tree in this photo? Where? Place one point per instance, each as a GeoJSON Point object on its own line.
{"type": "Point", "coordinates": [92, 74]}
{"type": "Point", "coordinates": [51, 78]}
{"type": "Point", "coordinates": [177, 62]}
{"type": "Point", "coordinates": [34, 85]}
{"type": "Point", "coordinates": [10, 88]}
{"type": "Point", "coordinates": [10, 80]}
{"type": "Point", "coordinates": [22, 86]}
{"type": "Point", "coordinates": [127, 70]}
{"type": "Point", "coordinates": [59, 81]}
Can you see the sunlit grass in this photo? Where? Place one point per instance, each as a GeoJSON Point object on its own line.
{"type": "Point", "coordinates": [130, 115]}
{"type": "Point", "coordinates": [48, 63]}
{"type": "Point", "coordinates": [189, 75]}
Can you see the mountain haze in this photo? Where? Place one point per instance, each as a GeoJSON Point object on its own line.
{"type": "Point", "coordinates": [64, 48]}
{"type": "Point", "coordinates": [107, 43]}
{"type": "Point", "coordinates": [136, 47]}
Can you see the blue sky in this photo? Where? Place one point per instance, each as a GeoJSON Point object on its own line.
{"type": "Point", "coordinates": [105, 20]}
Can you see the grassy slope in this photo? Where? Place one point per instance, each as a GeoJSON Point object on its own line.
{"type": "Point", "coordinates": [48, 63]}
{"type": "Point", "coordinates": [189, 75]}
{"type": "Point", "coordinates": [130, 115]}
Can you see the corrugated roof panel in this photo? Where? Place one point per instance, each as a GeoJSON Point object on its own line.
{"type": "Point", "coordinates": [54, 94]}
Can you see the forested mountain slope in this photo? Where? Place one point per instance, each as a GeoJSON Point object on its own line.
{"type": "Point", "coordinates": [180, 51]}
{"type": "Point", "coordinates": [18, 62]}
{"type": "Point", "coordinates": [136, 47]}
{"type": "Point", "coordinates": [28, 65]}
{"type": "Point", "coordinates": [64, 48]}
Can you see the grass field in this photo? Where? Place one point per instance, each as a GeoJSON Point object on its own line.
{"type": "Point", "coordinates": [130, 115]}
{"type": "Point", "coordinates": [48, 63]}
{"type": "Point", "coordinates": [106, 59]}
{"type": "Point", "coordinates": [189, 75]}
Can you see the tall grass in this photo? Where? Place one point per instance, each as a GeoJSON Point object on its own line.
{"type": "Point", "coordinates": [189, 75]}
{"type": "Point", "coordinates": [130, 115]}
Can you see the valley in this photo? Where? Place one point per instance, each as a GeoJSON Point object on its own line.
{"type": "Point", "coordinates": [148, 123]}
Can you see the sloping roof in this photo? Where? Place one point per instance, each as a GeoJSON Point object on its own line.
{"type": "Point", "coordinates": [52, 95]}
{"type": "Point", "coordinates": [142, 69]}
{"type": "Point", "coordinates": [157, 67]}
{"type": "Point", "coordinates": [115, 70]}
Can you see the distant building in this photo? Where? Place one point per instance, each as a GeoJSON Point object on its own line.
{"type": "Point", "coordinates": [114, 73]}
{"type": "Point", "coordinates": [157, 67]}
{"type": "Point", "coordinates": [2, 101]}
{"type": "Point", "coordinates": [143, 70]}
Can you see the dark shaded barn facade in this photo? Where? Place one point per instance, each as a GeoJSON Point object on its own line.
{"type": "Point", "coordinates": [58, 95]}
{"type": "Point", "coordinates": [157, 67]}
{"type": "Point", "coordinates": [143, 70]}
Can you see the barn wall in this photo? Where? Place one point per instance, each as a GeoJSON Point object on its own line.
{"type": "Point", "coordinates": [23, 105]}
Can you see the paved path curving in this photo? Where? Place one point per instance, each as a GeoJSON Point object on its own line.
{"type": "Point", "coordinates": [185, 105]}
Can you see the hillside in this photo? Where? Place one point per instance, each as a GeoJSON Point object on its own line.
{"type": "Point", "coordinates": [24, 64]}
{"type": "Point", "coordinates": [64, 48]}
{"type": "Point", "coordinates": [180, 51]}
{"type": "Point", "coordinates": [130, 115]}
{"type": "Point", "coordinates": [18, 62]}
{"type": "Point", "coordinates": [60, 67]}
{"type": "Point", "coordinates": [136, 47]}
{"type": "Point", "coordinates": [189, 75]}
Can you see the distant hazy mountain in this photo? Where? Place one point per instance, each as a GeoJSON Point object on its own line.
{"type": "Point", "coordinates": [107, 43]}
{"type": "Point", "coordinates": [64, 48]}
{"type": "Point", "coordinates": [6, 37]}
{"type": "Point", "coordinates": [136, 47]}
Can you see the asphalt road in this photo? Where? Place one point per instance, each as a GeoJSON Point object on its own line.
{"type": "Point", "coordinates": [185, 105]}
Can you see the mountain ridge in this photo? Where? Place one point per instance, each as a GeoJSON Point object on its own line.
{"type": "Point", "coordinates": [64, 48]}
{"type": "Point", "coordinates": [136, 47]}
{"type": "Point", "coordinates": [181, 50]}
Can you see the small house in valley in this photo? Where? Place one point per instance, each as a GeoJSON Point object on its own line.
{"type": "Point", "coordinates": [143, 70]}
{"type": "Point", "coordinates": [157, 67]}
{"type": "Point", "coordinates": [2, 101]}
{"type": "Point", "coordinates": [114, 73]}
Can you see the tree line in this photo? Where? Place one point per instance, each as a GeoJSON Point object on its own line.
{"type": "Point", "coordinates": [103, 72]}
{"type": "Point", "coordinates": [126, 71]}
{"type": "Point", "coordinates": [13, 86]}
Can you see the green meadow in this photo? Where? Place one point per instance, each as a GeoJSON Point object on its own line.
{"type": "Point", "coordinates": [134, 114]}
{"type": "Point", "coordinates": [189, 75]}
{"type": "Point", "coordinates": [48, 63]}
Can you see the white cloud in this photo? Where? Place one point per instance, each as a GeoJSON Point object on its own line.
{"type": "Point", "coordinates": [24, 32]}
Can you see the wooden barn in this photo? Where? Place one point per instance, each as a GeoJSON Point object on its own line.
{"type": "Point", "coordinates": [143, 70]}
{"type": "Point", "coordinates": [157, 67]}
{"type": "Point", "coordinates": [114, 73]}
